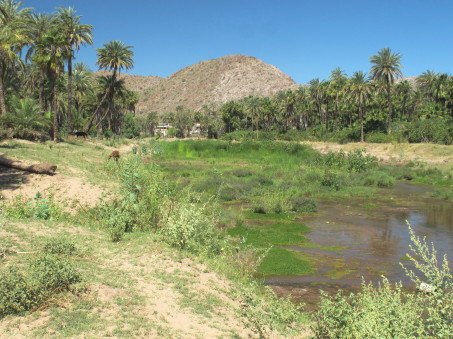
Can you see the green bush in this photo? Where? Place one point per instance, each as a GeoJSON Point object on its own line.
{"type": "Point", "coordinates": [61, 246]}
{"type": "Point", "coordinates": [437, 130]}
{"type": "Point", "coordinates": [23, 288]}
{"type": "Point", "coordinates": [271, 202]}
{"type": "Point", "coordinates": [38, 208]}
{"type": "Point", "coordinates": [131, 127]}
{"type": "Point", "coordinates": [53, 273]}
{"type": "Point", "coordinates": [265, 311]}
{"type": "Point", "coordinates": [379, 138]}
{"type": "Point", "coordinates": [379, 179]}
{"type": "Point", "coordinates": [331, 180]}
{"type": "Point", "coordinates": [299, 203]}
{"type": "Point", "coordinates": [360, 162]}
{"type": "Point", "coordinates": [190, 227]}
{"type": "Point", "coordinates": [388, 311]}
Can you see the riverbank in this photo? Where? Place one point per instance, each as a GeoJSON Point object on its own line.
{"type": "Point", "coordinates": [137, 287]}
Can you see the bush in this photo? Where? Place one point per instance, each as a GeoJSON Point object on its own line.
{"type": "Point", "coordinates": [359, 162]}
{"type": "Point", "coordinates": [53, 273]}
{"type": "Point", "coordinates": [303, 204]}
{"type": "Point", "coordinates": [131, 128]}
{"type": "Point", "coordinates": [379, 179]}
{"type": "Point", "coordinates": [38, 208]}
{"type": "Point", "coordinates": [331, 180]}
{"type": "Point", "coordinates": [435, 130]}
{"type": "Point", "coordinates": [61, 246]}
{"type": "Point", "coordinates": [272, 202]}
{"type": "Point", "coordinates": [387, 311]}
{"type": "Point", "coordinates": [23, 288]}
{"type": "Point", "coordinates": [265, 311]}
{"type": "Point", "coordinates": [190, 227]}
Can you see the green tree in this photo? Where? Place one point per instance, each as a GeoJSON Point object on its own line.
{"type": "Point", "coordinates": [12, 39]}
{"type": "Point", "coordinates": [337, 85]}
{"type": "Point", "coordinates": [25, 117]}
{"type": "Point", "coordinates": [76, 34]}
{"type": "Point", "coordinates": [52, 51]}
{"type": "Point", "coordinates": [254, 109]}
{"type": "Point", "coordinates": [40, 25]}
{"type": "Point", "coordinates": [360, 90]}
{"type": "Point", "coordinates": [114, 56]}
{"type": "Point", "coordinates": [386, 68]}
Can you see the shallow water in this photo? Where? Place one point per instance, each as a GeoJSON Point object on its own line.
{"type": "Point", "coordinates": [374, 238]}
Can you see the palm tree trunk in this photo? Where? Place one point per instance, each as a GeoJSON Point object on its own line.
{"type": "Point", "coordinates": [90, 122]}
{"type": "Point", "coordinates": [41, 87]}
{"type": "Point", "coordinates": [389, 106]}
{"type": "Point", "coordinates": [54, 107]}
{"type": "Point", "coordinates": [70, 94]}
{"type": "Point", "coordinates": [361, 120]}
{"type": "Point", "coordinates": [2, 97]}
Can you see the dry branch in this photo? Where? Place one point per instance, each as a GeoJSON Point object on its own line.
{"type": "Point", "coordinates": [43, 168]}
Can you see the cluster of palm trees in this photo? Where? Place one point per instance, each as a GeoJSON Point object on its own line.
{"type": "Point", "coordinates": [376, 100]}
{"type": "Point", "coordinates": [36, 63]}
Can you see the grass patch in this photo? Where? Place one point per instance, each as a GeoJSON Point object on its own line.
{"type": "Point", "coordinates": [277, 233]}
{"type": "Point", "coordinates": [281, 261]}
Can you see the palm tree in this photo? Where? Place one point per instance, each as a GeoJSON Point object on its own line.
{"type": "Point", "coordinates": [115, 91]}
{"type": "Point", "coordinates": [39, 26]}
{"type": "Point", "coordinates": [12, 39]}
{"type": "Point", "coordinates": [360, 90]}
{"type": "Point", "coordinates": [317, 95]}
{"type": "Point", "coordinates": [25, 117]}
{"type": "Point", "coordinates": [77, 35]}
{"type": "Point", "coordinates": [114, 56]}
{"type": "Point", "coordinates": [337, 82]}
{"type": "Point", "coordinates": [432, 84]}
{"type": "Point", "coordinates": [386, 68]}
{"type": "Point", "coordinates": [52, 51]}
{"type": "Point", "coordinates": [253, 107]}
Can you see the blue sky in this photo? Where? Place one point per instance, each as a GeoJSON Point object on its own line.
{"type": "Point", "coordinates": [305, 39]}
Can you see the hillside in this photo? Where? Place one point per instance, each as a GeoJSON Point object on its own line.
{"type": "Point", "coordinates": [137, 83]}
{"type": "Point", "coordinates": [214, 81]}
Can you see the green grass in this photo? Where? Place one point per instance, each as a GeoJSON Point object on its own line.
{"type": "Point", "coordinates": [281, 261]}
{"type": "Point", "coordinates": [276, 233]}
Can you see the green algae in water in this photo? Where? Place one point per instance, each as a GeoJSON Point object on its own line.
{"type": "Point", "coordinates": [280, 261]}
{"type": "Point", "coordinates": [267, 216]}
{"type": "Point", "coordinates": [279, 233]}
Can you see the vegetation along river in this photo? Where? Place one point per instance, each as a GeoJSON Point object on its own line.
{"type": "Point", "coordinates": [369, 237]}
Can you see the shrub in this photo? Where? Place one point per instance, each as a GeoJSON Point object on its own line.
{"type": "Point", "coordinates": [303, 204]}
{"type": "Point", "coordinates": [359, 162]}
{"type": "Point", "coordinates": [23, 288]}
{"type": "Point", "coordinates": [61, 246]}
{"type": "Point", "coordinates": [53, 273]}
{"type": "Point", "coordinates": [38, 208]}
{"type": "Point", "coordinates": [331, 180]}
{"type": "Point", "coordinates": [265, 311]}
{"type": "Point", "coordinates": [436, 130]}
{"type": "Point", "coordinates": [388, 312]}
{"type": "Point", "coordinates": [190, 227]}
{"type": "Point", "coordinates": [379, 179]}
{"type": "Point", "coordinates": [272, 202]}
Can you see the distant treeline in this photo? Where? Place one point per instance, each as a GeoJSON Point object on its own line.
{"type": "Point", "coordinates": [374, 107]}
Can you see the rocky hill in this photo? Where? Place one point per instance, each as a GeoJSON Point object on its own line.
{"type": "Point", "coordinates": [209, 82]}
{"type": "Point", "coordinates": [137, 83]}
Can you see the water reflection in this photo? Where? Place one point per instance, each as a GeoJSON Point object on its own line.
{"type": "Point", "coordinates": [375, 236]}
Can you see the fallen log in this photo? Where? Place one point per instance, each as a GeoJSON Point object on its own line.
{"type": "Point", "coordinates": [43, 168]}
